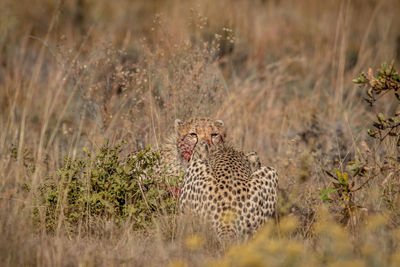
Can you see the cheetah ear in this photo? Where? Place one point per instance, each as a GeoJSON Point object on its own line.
{"type": "Point", "coordinates": [177, 123]}
{"type": "Point", "coordinates": [219, 123]}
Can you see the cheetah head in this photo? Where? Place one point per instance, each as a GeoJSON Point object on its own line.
{"type": "Point", "coordinates": [194, 131]}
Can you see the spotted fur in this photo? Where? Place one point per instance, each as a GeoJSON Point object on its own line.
{"type": "Point", "coordinates": [229, 189]}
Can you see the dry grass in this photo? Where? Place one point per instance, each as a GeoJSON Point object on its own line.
{"type": "Point", "coordinates": [278, 73]}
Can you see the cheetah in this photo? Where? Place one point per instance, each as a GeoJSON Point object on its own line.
{"type": "Point", "coordinates": [230, 190]}
{"type": "Point", "coordinates": [176, 152]}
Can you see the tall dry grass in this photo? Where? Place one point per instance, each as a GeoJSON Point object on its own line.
{"type": "Point", "coordinates": [278, 73]}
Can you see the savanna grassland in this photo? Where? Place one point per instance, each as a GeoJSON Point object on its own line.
{"type": "Point", "coordinates": [86, 86]}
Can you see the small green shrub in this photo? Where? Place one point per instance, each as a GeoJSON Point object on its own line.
{"type": "Point", "coordinates": [107, 186]}
{"type": "Point", "coordinates": [371, 165]}
{"type": "Point", "coordinates": [385, 80]}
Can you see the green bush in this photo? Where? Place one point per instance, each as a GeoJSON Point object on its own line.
{"type": "Point", "coordinates": [107, 186]}
{"type": "Point", "coordinates": [385, 80]}
{"type": "Point", "coordinates": [381, 163]}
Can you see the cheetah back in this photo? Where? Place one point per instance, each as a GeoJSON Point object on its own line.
{"type": "Point", "coordinates": [222, 189]}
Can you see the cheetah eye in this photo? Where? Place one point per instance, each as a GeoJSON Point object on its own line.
{"type": "Point", "coordinates": [214, 134]}
{"type": "Point", "coordinates": [193, 134]}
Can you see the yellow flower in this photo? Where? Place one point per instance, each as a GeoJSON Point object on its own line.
{"type": "Point", "coordinates": [178, 263]}
{"type": "Point", "coordinates": [194, 242]}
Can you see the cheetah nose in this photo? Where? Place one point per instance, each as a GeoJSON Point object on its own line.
{"type": "Point", "coordinates": [203, 142]}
